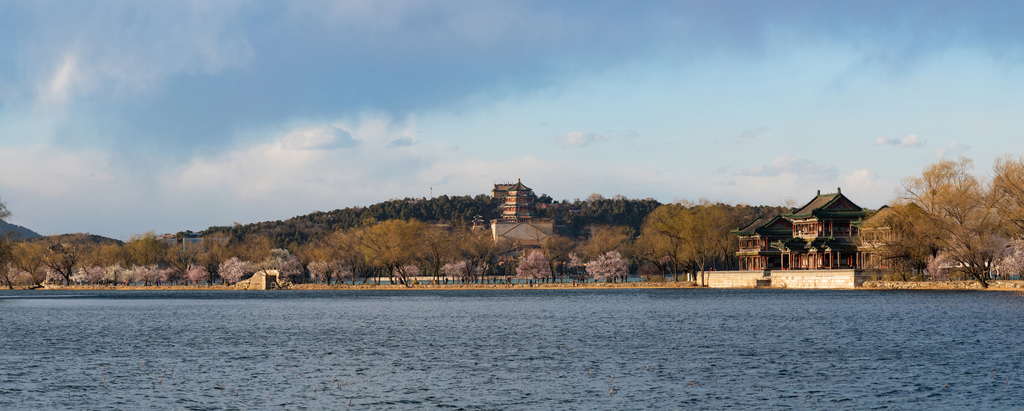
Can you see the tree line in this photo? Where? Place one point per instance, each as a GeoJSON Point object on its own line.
{"type": "Point", "coordinates": [395, 250]}
{"type": "Point", "coordinates": [946, 223]}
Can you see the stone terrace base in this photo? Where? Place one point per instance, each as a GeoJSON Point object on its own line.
{"type": "Point", "coordinates": [818, 279]}
{"type": "Point", "coordinates": [811, 279]}
{"type": "Point", "coordinates": [736, 279]}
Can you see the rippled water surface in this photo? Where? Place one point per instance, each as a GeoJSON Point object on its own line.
{"type": "Point", "coordinates": [514, 349]}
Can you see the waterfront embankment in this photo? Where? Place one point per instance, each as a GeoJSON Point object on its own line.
{"type": "Point", "coordinates": [1005, 285]}
{"type": "Point", "coordinates": [370, 286]}
{"type": "Point", "coordinates": [1002, 285]}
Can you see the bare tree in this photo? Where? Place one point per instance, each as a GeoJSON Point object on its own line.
{"type": "Point", "coordinates": [145, 249]}
{"type": "Point", "coordinates": [437, 248]}
{"type": "Point", "coordinates": [30, 258]}
{"type": "Point", "coordinates": [391, 244]}
{"type": "Point", "coordinates": [1008, 193]}
{"type": "Point", "coordinates": [62, 259]}
{"type": "Point", "coordinates": [183, 257]}
{"type": "Point", "coordinates": [956, 207]}
{"type": "Point", "coordinates": [557, 248]}
{"type": "Point", "coordinates": [344, 246]}
{"type": "Point", "coordinates": [7, 269]}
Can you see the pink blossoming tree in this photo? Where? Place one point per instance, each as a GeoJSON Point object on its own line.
{"type": "Point", "coordinates": [609, 266]}
{"type": "Point", "coordinates": [534, 266]}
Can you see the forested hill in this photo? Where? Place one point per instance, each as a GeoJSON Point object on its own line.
{"type": "Point", "coordinates": [298, 230]}
{"type": "Point", "coordinates": [442, 209]}
{"type": "Point", "coordinates": [460, 210]}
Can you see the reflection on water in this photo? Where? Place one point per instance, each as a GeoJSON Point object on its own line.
{"type": "Point", "coordinates": [515, 349]}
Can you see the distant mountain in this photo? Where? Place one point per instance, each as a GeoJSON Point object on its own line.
{"type": "Point", "coordinates": [20, 232]}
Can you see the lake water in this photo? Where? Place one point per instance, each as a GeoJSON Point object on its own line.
{"type": "Point", "coordinates": [511, 349]}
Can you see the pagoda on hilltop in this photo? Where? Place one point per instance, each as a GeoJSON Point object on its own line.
{"type": "Point", "coordinates": [519, 222]}
{"type": "Point", "coordinates": [519, 204]}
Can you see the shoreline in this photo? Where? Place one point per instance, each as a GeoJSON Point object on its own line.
{"type": "Point", "coordinates": [1002, 285]}
{"type": "Point", "coordinates": [307, 287]}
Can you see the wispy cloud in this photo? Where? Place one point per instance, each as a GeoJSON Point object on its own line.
{"type": "Point", "coordinates": [754, 132]}
{"type": "Point", "coordinates": [58, 88]}
{"type": "Point", "coordinates": [911, 140]}
{"type": "Point", "coordinates": [318, 138]}
{"type": "Point", "coordinates": [803, 168]}
{"type": "Point", "coordinates": [581, 138]}
{"type": "Point", "coordinates": [404, 141]}
{"type": "Point", "coordinates": [626, 134]}
{"type": "Point", "coordinates": [953, 149]}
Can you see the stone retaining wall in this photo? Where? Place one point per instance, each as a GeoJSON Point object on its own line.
{"type": "Point", "coordinates": [813, 279]}
{"type": "Point", "coordinates": [734, 279]}
{"type": "Point", "coordinates": [817, 279]}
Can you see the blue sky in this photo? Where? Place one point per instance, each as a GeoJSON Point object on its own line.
{"type": "Point", "coordinates": [123, 117]}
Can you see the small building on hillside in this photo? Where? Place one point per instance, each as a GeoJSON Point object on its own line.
{"type": "Point", "coordinates": [479, 223]}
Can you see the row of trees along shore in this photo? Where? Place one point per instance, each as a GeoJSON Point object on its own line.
{"type": "Point", "coordinates": [671, 240]}
{"type": "Point", "coordinates": [946, 223]}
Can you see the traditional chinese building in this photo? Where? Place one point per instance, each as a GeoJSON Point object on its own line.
{"type": "Point", "coordinates": [520, 204]}
{"type": "Point", "coordinates": [501, 190]}
{"type": "Point", "coordinates": [756, 251]}
{"type": "Point", "coordinates": [822, 235]}
{"type": "Point", "coordinates": [875, 235]}
{"type": "Point", "coordinates": [478, 222]}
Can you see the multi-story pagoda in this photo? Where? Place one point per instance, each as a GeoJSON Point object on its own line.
{"type": "Point", "coordinates": [519, 222]}
{"type": "Point", "coordinates": [519, 204]}
{"type": "Point", "coordinates": [501, 190]}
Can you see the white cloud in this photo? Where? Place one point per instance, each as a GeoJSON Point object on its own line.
{"type": "Point", "coordinates": [803, 169]}
{"type": "Point", "coordinates": [910, 140]}
{"type": "Point", "coordinates": [953, 149]}
{"type": "Point", "coordinates": [304, 162]}
{"type": "Point", "coordinates": [868, 187]}
{"type": "Point", "coordinates": [318, 138]}
{"type": "Point", "coordinates": [59, 87]}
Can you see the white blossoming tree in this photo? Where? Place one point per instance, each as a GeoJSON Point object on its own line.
{"type": "Point", "coordinates": [534, 266]}
{"type": "Point", "coordinates": [609, 266]}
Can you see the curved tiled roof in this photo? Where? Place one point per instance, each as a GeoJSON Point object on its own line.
{"type": "Point", "coordinates": [763, 225]}
{"type": "Point", "coordinates": [828, 205]}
